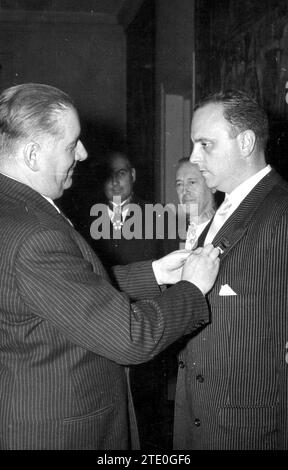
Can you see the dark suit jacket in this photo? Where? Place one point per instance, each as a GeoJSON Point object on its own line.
{"type": "Point", "coordinates": [148, 380]}
{"type": "Point", "coordinates": [66, 332]}
{"type": "Point", "coordinates": [121, 250]}
{"type": "Point", "coordinates": [233, 376]}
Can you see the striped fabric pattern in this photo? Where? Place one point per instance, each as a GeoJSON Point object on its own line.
{"type": "Point", "coordinates": [232, 384]}
{"type": "Point", "coordinates": [66, 334]}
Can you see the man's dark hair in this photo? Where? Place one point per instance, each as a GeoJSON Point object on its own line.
{"type": "Point", "coordinates": [29, 110]}
{"type": "Point", "coordinates": [114, 154]}
{"type": "Point", "coordinates": [242, 112]}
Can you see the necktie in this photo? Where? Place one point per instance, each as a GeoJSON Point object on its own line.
{"type": "Point", "coordinates": [117, 217]}
{"type": "Point", "coordinates": [191, 236]}
{"type": "Point", "coordinates": [220, 218]}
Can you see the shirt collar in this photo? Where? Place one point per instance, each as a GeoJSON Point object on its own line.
{"type": "Point", "coordinates": [51, 202]}
{"type": "Point", "coordinates": [124, 204]}
{"type": "Point", "coordinates": [11, 177]}
{"type": "Point", "coordinates": [239, 193]}
{"type": "Point", "coordinates": [124, 212]}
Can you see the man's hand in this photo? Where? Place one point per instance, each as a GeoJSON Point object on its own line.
{"type": "Point", "coordinates": [168, 270]}
{"type": "Point", "coordinates": [201, 268]}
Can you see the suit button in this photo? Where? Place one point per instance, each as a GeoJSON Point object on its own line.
{"type": "Point", "coordinates": [197, 422]}
{"type": "Point", "coordinates": [200, 378]}
{"type": "Point", "coordinates": [181, 364]}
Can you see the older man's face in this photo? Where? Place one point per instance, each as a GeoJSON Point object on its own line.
{"type": "Point", "coordinates": [192, 189]}
{"type": "Point", "coordinates": [59, 156]}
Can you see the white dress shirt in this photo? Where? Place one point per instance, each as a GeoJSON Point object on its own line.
{"type": "Point", "coordinates": [235, 198]}
{"type": "Point", "coordinates": [123, 213]}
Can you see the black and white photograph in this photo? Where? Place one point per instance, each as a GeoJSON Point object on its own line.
{"type": "Point", "coordinates": [144, 227]}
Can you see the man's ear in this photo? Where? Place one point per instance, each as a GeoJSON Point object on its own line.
{"type": "Point", "coordinates": [133, 173]}
{"type": "Point", "coordinates": [31, 155]}
{"type": "Point", "coordinates": [247, 141]}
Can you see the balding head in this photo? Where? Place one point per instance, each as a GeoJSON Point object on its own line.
{"type": "Point", "coordinates": [29, 110]}
{"type": "Point", "coordinates": [40, 137]}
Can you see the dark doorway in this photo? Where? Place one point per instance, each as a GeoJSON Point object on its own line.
{"type": "Point", "coordinates": [140, 97]}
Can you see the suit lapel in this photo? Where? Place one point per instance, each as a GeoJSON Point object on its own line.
{"type": "Point", "coordinates": [203, 234]}
{"type": "Point", "coordinates": [237, 224]}
{"type": "Point", "coordinates": [230, 234]}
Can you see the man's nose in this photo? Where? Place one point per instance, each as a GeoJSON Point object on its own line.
{"type": "Point", "coordinates": [186, 188]}
{"type": "Point", "coordinates": [81, 153]}
{"type": "Point", "coordinates": [115, 178]}
{"type": "Point", "coordinates": [195, 156]}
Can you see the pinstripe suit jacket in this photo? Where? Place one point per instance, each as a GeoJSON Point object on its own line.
{"type": "Point", "coordinates": [66, 333]}
{"type": "Point", "coordinates": [232, 383]}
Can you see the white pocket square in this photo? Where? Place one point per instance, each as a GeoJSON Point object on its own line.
{"type": "Point", "coordinates": [226, 290]}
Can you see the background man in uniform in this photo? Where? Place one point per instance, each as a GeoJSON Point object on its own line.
{"type": "Point", "coordinates": [120, 198]}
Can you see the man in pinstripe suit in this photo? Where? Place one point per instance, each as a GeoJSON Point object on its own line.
{"type": "Point", "coordinates": [233, 376]}
{"type": "Point", "coordinates": [65, 332]}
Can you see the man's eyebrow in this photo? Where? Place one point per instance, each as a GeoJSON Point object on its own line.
{"type": "Point", "coordinates": [199, 139]}
{"type": "Point", "coordinates": [205, 139]}
{"type": "Point", "coordinates": [74, 142]}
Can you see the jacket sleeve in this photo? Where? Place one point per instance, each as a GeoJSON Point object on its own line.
{"type": "Point", "coordinates": [276, 297]}
{"type": "Point", "coordinates": [137, 280]}
{"type": "Point", "coordinates": [59, 286]}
